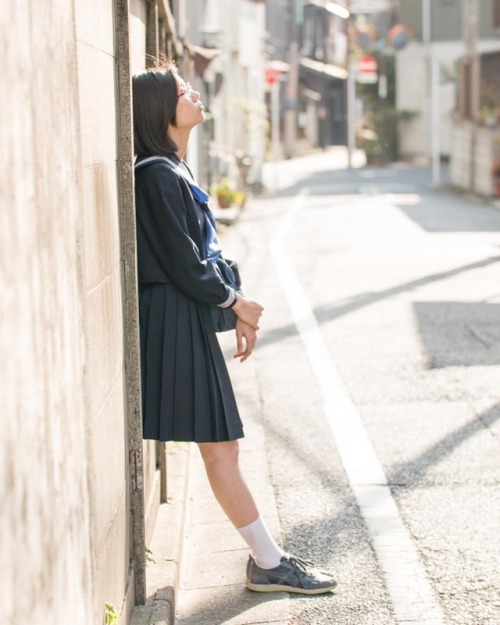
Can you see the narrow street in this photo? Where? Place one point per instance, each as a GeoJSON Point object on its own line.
{"type": "Point", "coordinates": [378, 373]}
{"type": "Point", "coordinates": [370, 405]}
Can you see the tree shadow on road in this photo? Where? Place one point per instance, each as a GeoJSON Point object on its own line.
{"type": "Point", "coordinates": [408, 475]}
{"type": "Point", "coordinates": [231, 602]}
{"type": "Point", "coordinates": [450, 212]}
{"type": "Point", "coordinates": [459, 334]}
{"type": "Point", "coordinates": [333, 311]}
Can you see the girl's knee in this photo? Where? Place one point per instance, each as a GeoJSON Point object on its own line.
{"type": "Point", "coordinates": [226, 452]}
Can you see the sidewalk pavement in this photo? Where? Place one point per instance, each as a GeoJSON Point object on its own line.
{"type": "Point", "coordinates": [196, 568]}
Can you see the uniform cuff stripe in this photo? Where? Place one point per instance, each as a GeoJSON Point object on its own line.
{"type": "Point", "coordinates": [230, 300]}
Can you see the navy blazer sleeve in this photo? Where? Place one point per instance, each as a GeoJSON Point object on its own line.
{"type": "Point", "coordinates": [170, 235]}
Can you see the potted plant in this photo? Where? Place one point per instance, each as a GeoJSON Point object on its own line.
{"type": "Point", "coordinates": [224, 193]}
{"type": "Point", "coordinates": [227, 195]}
{"type": "Point", "coordinates": [490, 115]}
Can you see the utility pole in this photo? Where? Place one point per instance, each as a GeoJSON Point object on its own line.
{"type": "Point", "coordinates": [471, 86]}
{"type": "Point", "coordinates": [432, 75]}
{"type": "Point", "coordinates": [350, 91]}
{"type": "Point", "coordinates": [290, 115]}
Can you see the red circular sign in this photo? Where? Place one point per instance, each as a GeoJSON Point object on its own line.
{"type": "Point", "coordinates": [271, 75]}
{"type": "Point", "coordinates": [367, 65]}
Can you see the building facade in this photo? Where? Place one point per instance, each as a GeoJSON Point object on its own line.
{"type": "Point", "coordinates": [439, 36]}
{"type": "Point", "coordinates": [309, 45]}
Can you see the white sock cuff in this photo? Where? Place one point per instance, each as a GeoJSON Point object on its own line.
{"type": "Point", "coordinates": [265, 551]}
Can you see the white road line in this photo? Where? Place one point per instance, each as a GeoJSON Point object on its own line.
{"type": "Point", "coordinates": [412, 596]}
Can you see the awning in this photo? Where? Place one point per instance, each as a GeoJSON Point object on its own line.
{"type": "Point", "coordinates": [279, 66]}
{"type": "Point", "coordinates": [202, 57]}
{"type": "Point", "coordinates": [324, 68]}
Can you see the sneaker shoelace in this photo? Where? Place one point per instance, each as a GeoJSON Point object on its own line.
{"type": "Point", "coordinates": [300, 564]}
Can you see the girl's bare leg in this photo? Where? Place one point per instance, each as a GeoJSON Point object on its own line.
{"type": "Point", "coordinates": [234, 497]}
{"type": "Point", "coordinates": [228, 485]}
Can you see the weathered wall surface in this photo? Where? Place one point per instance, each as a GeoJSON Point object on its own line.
{"type": "Point", "coordinates": [63, 452]}
{"type": "Point", "coordinates": [475, 150]}
{"type": "Point", "coordinates": [45, 550]}
{"type": "Point", "coordinates": [102, 304]}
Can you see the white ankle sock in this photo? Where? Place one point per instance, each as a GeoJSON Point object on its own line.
{"type": "Point", "coordinates": [265, 551]}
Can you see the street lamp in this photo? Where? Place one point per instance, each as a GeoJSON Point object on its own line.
{"type": "Point", "coordinates": [350, 99]}
{"type": "Point", "coordinates": [433, 106]}
{"type": "Point", "coordinates": [337, 10]}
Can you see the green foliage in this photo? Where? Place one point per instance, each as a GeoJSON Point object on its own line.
{"type": "Point", "coordinates": [110, 614]}
{"type": "Point", "coordinates": [226, 193]}
{"type": "Point", "coordinates": [369, 142]}
{"type": "Point", "coordinates": [380, 139]}
{"type": "Point", "coordinates": [379, 136]}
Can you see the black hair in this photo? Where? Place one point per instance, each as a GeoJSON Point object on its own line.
{"type": "Point", "coordinates": [154, 95]}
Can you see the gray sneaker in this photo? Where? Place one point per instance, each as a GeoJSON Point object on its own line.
{"type": "Point", "coordinates": [292, 575]}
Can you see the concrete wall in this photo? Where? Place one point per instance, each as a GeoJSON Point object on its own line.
{"type": "Point", "coordinates": [412, 94]}
{"type": "Point", "coordinates": [103, 381]}
{"type": "Point", "coordinates": [45, 556]}
{"type": "Point", "coordinates": [446, 18]}
{"type": "Point", "coordinates": [64, 524]}
{"type": "Point", "coordinates": [475, 150]}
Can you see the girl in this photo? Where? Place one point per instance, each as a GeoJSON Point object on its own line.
{"type": "Point", "coordinates": [186, 390]}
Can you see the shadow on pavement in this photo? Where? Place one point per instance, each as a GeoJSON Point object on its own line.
{"type": "Point", "coordinates": [409, 474]}
{"type": "Point", "coordinates": [450, 212]}
{"type": "Point", "coordinates": [231, 602]}
{"type": "Point", "coordinates": [459, 334]}
{"type": "Point", "coordinates": [327, 313]}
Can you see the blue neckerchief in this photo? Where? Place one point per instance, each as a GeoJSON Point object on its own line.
{"type": "Point", "coordinates": [213, 249]}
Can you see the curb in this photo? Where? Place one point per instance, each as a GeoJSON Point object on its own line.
{"type": "Point", "coordinates": [226, 216]}
{"type": "Point", "coordinates": [164, 560]}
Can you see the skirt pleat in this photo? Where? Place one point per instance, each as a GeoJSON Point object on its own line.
{"type": "Point", "coordinates": [186, 390]}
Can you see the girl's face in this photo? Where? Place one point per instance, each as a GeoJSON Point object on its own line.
{"type": "Point", "coordinates": [189, 111]}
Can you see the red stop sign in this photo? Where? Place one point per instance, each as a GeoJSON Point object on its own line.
{"type": "Point", "coordinates": [271, 75]}
{"type": "Point", "coordinates": [367, 65]}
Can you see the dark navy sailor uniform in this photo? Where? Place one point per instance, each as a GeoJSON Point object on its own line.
{"type": "Point", "coordinates": [186, 390]}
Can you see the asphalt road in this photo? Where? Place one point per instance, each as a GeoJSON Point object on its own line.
{"type": "Point", "coordinates": [403, 285]}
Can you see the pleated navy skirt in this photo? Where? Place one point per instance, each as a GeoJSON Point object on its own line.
{"type": "Point", "coordinates": [186, 390]}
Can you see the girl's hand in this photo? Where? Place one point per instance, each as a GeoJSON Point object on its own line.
{"type": "Point", "coordinates": [246, 337]}
{"type": "Point", "coordinates": [248, 311]}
